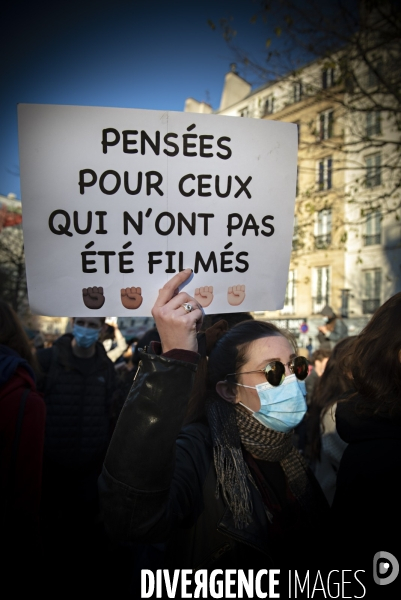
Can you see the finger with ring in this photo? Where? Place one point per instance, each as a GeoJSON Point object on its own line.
{"type": "Point", "coordinates": [187, 307]}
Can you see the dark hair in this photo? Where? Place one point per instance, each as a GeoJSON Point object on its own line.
{"type": "Point", "coordinates": [320, 354]}
{"type": "Point", "coordinates": [230, 352]}
{"type": "Point", "coordinates": [227, 356]}
{"type": "Point", "coordinates": [13, 335]}
{"type": "Point", "coordinates": [101, 319]}
{"type": "Point", "coordinates": [231, 318]}
{"type": "Point", "coordinates": [107, 333]}
{"type": "Point", "coordinates": [376, 367]}
{"type": "Point", "coordinates": [335, 381]}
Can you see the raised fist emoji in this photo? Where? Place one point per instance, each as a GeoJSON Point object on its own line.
{"type": "Point", "coordinates": [204, 295]}
{"type": "Point", "coordinates": [131, 297]}
{"type": "Point", "coordinates": [236, 294]}
{"type": "Point", "coordinates": [93, 297]}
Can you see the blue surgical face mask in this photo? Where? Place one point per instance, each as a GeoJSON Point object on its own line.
{"type": "Point", "coordinates": [282, 407]}
{"type": "Point", "coordinates": [84, 336]}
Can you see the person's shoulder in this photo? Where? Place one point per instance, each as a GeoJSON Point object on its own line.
{"type": "Point", "coordinates": [105, 362]}
{"type": "Point", "coordinates": [312, 375]}
{"type": "Point", "coordinates": [59, 353]}
{"type": "Point", "coordinates": [44, 357]}
{"type": "Point", "coordinates": [101, 353]}
{"type": "Point", "coordinates": [22, 385]}
{"type": "Point", "coordinates": [64, 341]}
{"type": "Point", "coordinates": [35, 403]}
{"type": "Point", "coordinates": [341, 324]}
{"type": "Point", "coordinates": [196, 442]}
{"type": "Point", "coordinates": [198, 430]}
{"type": "Point", "coordinates": [311, 379]}
{"type": "Point", "coordinates": [152, 335]}
{"type": "Point", "coordinates": [197, 436]}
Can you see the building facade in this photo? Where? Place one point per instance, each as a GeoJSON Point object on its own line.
{"type": "Point", "coordinates": [346, 252]}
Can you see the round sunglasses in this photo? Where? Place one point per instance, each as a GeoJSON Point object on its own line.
{"type": "Point", "coordinates": [275, 370]}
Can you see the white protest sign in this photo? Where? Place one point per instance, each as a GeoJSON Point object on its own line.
{"type": "Point", "coordinates": [115, 201]}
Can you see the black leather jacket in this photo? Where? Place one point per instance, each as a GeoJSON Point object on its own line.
{"type": "Point", "coordinates": [159, 483]}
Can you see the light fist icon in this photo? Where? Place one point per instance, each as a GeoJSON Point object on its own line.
{"type": "Point", "coordinates": [204, 295]}
{"type": "Point", "coordinates": [385, 568]}
{"type": "Point", "coordinates": [131, 297]}
{"type": "Point", "coordinates": [93, 297]}
{"type": "Point", "coordinates": [236, 294]}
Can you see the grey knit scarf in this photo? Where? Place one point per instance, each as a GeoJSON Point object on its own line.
{"type": "Point", "coordinates": [232, 425]}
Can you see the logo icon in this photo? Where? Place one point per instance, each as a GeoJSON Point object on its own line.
{"type": "Point", "coordinates": [385, 568]}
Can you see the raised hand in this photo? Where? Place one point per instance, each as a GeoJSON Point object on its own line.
{"type": "Point", "coordinates": [177, 326]}
{"type": "Point", "coordinates": [204, 295]}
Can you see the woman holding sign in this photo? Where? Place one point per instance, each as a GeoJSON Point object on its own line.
{"type": "Point", "coordinates": [204, 461]}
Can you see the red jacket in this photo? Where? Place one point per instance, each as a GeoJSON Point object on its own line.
{"type": "Point", "coordinates": [25, 497]}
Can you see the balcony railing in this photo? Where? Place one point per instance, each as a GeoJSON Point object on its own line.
{"type": "Point", "coordinates": [372, 239]}
{"type": "Point", "coordinates": [322, 241]}
{"type": "Point", "coordinates": [318, 303]}
{"type": "Point", "coordinates": [267, 111]}
{"type": "Point", "coordinates": [369, 306]}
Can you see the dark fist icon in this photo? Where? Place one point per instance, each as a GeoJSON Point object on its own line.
{"type": "Point", "coordinates": [93, 297]}
{"type": "Point", "coordinates": [131, 297]}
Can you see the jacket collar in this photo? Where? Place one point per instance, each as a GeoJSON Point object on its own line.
{"type": "Point", "coordinates": [10, 361]}
{"type": "Point", "coordinates": [353, 426]}
{"type": "Point", "coordinates": [67, 358]}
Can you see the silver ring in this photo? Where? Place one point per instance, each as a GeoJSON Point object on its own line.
{"type": "Point", "coordinates": [187, 307]}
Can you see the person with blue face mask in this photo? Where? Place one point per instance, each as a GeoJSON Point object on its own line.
{"type": "Point", "coordinates": [219, 481]}
{"type": "Point", "coordinates": [282, 402]}
{"type": "Point", "coordinates": [86, 332]}
{"type": "Point", "coordinates": [78, 385]}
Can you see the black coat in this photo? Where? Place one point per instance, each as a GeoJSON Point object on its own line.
{"type": "Point", "coordinates": [366, 504]}
{"type": "Point", "coordinates": [158, 482]}
{"type": "Point", "coordinates": [78, 395]}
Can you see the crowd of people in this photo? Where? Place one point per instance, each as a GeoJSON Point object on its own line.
{"type": "Point", "coordinates": [213, 442]}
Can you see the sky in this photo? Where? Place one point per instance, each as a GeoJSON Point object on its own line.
{"type": "Point", "coordinates": [115, 53]}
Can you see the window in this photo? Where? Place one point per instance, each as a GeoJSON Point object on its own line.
{"type": "Point", "coordinates": [324, 173]}
{"type": "Point", "coordinates": [345, 296]}
{"type": "Point", "coordinates": [371, 290]}
{"type": "Point", "coordinates": [297, 91]}
{"type": "Point", "coordinates": [372, 229]}
{"type": "Point", "coordinates": [323, 229]}
{"type": "Point", "coordinates": [298, 124]}
{"type": "Point", "coordinates": [244, 112]}
{"type": "Point", "coordinates": [320, 288]}
{"type": "Point", "coordinates": [326, 124]}
{"type": "Point", "coordinates": [268, 108]}
{"type": "Point", "coordinates": [373, 122]}
{"type": "Point", "coordinates": [327, 78]}
{"type": "Point", "coordinates": [373, 170]}
{"type": "Point", "coordinates": [289, 302]}
{"type": "Point", "coordinates": [295, 234]}
{"type": "Point", "coordinates": [373, 79]}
